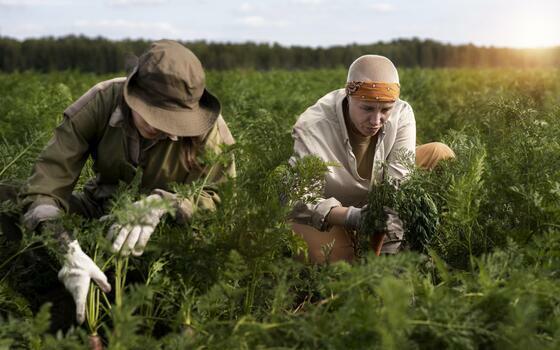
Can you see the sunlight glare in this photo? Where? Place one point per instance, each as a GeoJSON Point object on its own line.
{"type": "Point", "coordinates": [535, 33]}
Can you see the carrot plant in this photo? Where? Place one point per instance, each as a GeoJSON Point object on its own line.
{"type": "Point", "coordinates": [484, 229]}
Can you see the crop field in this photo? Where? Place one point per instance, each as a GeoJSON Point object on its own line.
{"type": "Point", "coordinates": [483, 271]}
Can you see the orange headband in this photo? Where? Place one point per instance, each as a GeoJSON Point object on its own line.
{"type": "Point", "coordinates": [373, 91]}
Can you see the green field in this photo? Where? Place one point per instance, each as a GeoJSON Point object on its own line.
{"type": "Point", "coordinates": [487, 277]}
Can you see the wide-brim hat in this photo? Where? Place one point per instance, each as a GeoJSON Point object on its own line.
{"type": "Point", "coordinates": [167, 88]}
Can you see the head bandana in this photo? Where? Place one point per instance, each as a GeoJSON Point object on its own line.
{"type": "Point", "coordinates": [373, 78]}
{"type": "Point", "coordinates": [373, 91]}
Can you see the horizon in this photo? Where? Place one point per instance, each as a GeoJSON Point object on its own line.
{"type": "Point", "coordinates": [308, 23]}
{"type": "Point", "coordinates": [389, 41]}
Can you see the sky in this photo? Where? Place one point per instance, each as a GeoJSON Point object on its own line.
{"type": "Point", "coordinates": [514, 23]}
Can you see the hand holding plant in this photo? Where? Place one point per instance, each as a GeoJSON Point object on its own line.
{"type": "Point", "coordinates": [133, 236]}
{"type": "Point", "coordinates": [354, 217]}
{"type": "Point", "coordinates": [77, 271]}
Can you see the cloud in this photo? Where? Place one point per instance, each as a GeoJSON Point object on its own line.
{"type": "Point", "coordinates": [124, 3]}
{"type": "Point", "coordinates": [260, 22]}
{"type": "Point", "coordinates": [28, 3]}
{"type": "Point", "coordinates": [246, 7]}
{"type": "Point", "coordinates": [308, 2]}
{"type": "Point", "coordinates": [25, 30]}
{"type": "Point", "coordinates": [138, 28]}
{"type": "Point", "coordinates": [382, 7]}
{"type": "Point", "coordinates": [252, 21]}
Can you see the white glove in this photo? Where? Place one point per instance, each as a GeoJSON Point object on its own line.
{"type": "Point", "coordinates": [76, 272]}
{"type": "Point", "coordinates": [134, 237]}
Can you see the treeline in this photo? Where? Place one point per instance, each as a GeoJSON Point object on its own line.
{"type": "Point", "coordinates": [101, 55]}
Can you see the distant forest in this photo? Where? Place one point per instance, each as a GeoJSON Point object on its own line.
{"type": "Point", "coordinates": [100, 55]}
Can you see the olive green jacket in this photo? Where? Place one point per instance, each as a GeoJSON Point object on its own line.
{"type": "Point", "coordinates": [98, 125]}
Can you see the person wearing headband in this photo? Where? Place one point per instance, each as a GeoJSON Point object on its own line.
{"type": "Point", "coordinates": [154, 124]}
{"type": "Point", "coordinates": [371, 133]}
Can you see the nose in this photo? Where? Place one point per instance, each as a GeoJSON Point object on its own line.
{"type": "Point", "coordinates": [376, 119]}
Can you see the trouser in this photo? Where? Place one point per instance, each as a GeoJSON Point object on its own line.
{"type": "Point", "coordinates": [35, 276]}
{"type": "Point", "coordinates": [337, 244]}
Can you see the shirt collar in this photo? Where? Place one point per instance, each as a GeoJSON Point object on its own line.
{"type": "Point", "coordinates": [117, 117]}
{"type": "Point", "coordinates": [339, 110]}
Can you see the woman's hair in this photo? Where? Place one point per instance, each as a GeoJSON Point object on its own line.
{"type": "Point", "coordinates": [191, 146]}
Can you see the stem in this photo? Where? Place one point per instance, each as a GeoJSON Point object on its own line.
{"type": "Point", "coordinates": [250, 296]}
{"type": "Point", "coordinates": [121, 267]}
{"type": "Point", "coordinates": [195, 204]}
{"type": "Point", "coordinates": [26, 248]}
{"type": "Point", "coordinates": [21, 154]}
{"type": "Point", "coordinates": [93, 309]}
{"type": "Point", "coordinates": [186, 306]}
{"type": "Point", "coordinates": [450, 326]}
{"type": "Point", "coordinates": [93, 302]}
{"type": "Point", "coordinates": [107, 306]}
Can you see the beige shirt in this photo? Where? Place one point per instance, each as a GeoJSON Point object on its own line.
{"type": "Point", "coordinates": [363, 147]}
{"type": "Point", "coordinates": [321, 131]}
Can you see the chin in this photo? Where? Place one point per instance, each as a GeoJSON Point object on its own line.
{"type": "Point", "coordinates": [149, 136]}
{"type": "Point", "coordinates": [370, 132]}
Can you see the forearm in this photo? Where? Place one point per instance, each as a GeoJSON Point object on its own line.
{"type": "Point", "coordinates": [337, 216]}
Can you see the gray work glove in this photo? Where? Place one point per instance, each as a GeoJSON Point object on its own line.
{"type": "Point", "coordinates": [41, 213]}
{"type": "Point", "coordinates": [354, 217]}
{"type": "Point", "coordinates": [394, 232]}
{"type": "Point", "coordinates": [393, 224]}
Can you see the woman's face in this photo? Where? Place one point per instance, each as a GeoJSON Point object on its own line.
{"type": "Point", "coordinates": [369, 116]}
{"type": "Point", "coordinates": [146, 130]}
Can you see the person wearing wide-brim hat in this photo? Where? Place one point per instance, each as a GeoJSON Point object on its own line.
{"type": "Point", "coordinates": [371, 133]}
{"type": "Point", "coordinates": [156, 122]}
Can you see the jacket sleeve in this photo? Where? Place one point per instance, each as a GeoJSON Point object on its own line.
{"type": "Point", "coordinates": [312, 213]}
{"type": "Point", "coordinates": [59, 165]}
{"type": "Point", "coordinates": [403, 150]}
{"type": "Point", "coordinates": [207, 198]}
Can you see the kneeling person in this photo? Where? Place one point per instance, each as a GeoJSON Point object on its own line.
{"type": "Point", "coordinates": [159, 120]}
{"type": "Point", "coordinates": [359, 127]}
